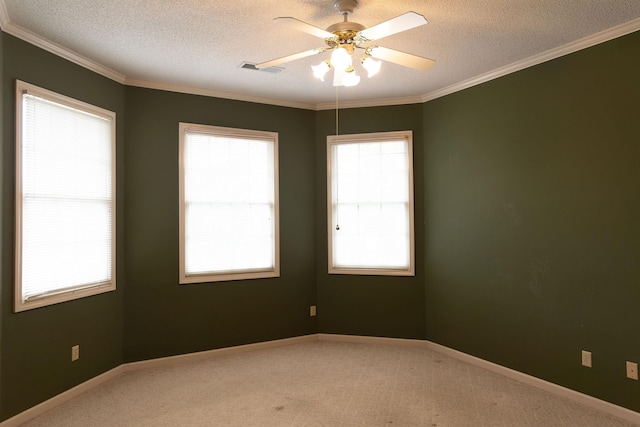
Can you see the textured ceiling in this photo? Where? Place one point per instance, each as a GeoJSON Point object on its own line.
{"type": "Point", "coordinates": [200, 44]}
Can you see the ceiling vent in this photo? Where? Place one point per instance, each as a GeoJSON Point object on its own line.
{"type": "Point", "coordinates": [252, 66]}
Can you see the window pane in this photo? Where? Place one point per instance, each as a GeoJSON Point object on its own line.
{"type": "Point", "coordinates": [371, 204]}
{"type": "Point", "coordinates": [228, 199]}
{"type": "Point", "coordinates": [65, 244]}
{"type": "Point", "coordinates": [64, 198]}
{"type": "Point", "coordinates": [228, 237]}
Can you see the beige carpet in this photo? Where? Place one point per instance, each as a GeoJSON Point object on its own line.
{"type": "Point", "coordinates": [321, 384]}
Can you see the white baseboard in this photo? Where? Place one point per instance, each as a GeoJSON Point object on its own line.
{"type": "Point", "coordinates": [201, 355]}
{"type": "Point", "coordinates": [558, 390]}
{"type": "Point", "coordinates": [573, 395]}
{"type": "Point", "coordinates": [61, 398]}
{"type": "Point", "coordinates": [360, 339]}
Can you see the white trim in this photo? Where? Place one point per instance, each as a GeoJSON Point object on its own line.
{"type": "Point", "coordinates": [364, 138]}
{"type": "Point", "coordinates": [217, 131]}
{"type": "Point", "coordinates": [555, 389]}
{"type": "Point", "coordinates": [584, 43]}
{"type": "Point", "coordinates": [172, 87]}
{"type": "Point", "coordinates": [549, 55]}
{"type": "Point", "coordinates": [37, 40]}
{"type": "Point", "coordinates": [49, 95]}
{"type": "Point", "coordinates": [360, 339]}
{"type": "Point", "coordinates": [72, 292]}
{"type": "Point", "coordinates": [61, 398]}
{"type": "Point", "coordinates": [226, 351]}
{"type": "Point", "coordinates": [541, 384]}
{"type": "Point", "coordinates": [61, 51]}
{"type": "Point", "coordinates": [65, 396]}
{"type": "Point", "coordinates": [370, 103]}
{"type": "Point", "coordinates": [584, 399]}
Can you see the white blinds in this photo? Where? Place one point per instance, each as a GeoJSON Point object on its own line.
{"type": "Point", "coordinates": [65, 203]}
{"type": "Point", "coordinates": [229, 204]}
{"type": "Point", "coordinates": [371, 204]}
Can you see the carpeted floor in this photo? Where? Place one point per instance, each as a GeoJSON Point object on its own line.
{"type": "Point", "coordinates": [322, 384]}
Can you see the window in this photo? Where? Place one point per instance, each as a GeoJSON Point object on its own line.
{"type": "Point", "coordinates": [228, 204]}
{"type": "Point", "coordinates": [65, 198]}
{"type": "Point", "coordinates": [370, 204]}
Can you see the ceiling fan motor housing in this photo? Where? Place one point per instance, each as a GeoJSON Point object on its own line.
{"type": "Point", "coordinates": [345, 31]}
{"type": "Point", "coordinates": [345, 7]}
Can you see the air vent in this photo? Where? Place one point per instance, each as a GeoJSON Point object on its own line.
{"type": "Point", "coordinates": [252, 66]}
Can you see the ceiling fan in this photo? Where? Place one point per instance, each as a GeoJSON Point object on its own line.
{"type": "Point", "coordinates": [345, 38]}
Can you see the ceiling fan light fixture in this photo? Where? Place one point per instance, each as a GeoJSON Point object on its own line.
{"type": "Point", "coordinates": [371, 65]}
{"type": "Point", "coordinates": [345, 38]}
{"type": "Point", "coordinates": [321, 70]}
{"type": "Point", "coordinates": [350, 78]}
{"type": "Point", "coordinates": [340, 58]}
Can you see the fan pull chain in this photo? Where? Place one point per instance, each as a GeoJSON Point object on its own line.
{"type": "Point", "coordinates": [337, 175]}
{"type": "Point", "coordinates": [336, 168]}
{"type": "Point", "coordinates": [337, 110]}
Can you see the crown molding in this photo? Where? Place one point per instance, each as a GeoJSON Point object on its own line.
{"type": "Point", "coordinates": [61, 51]}
{"type": "Point", "coordinates": [7, 26]}
{"type": "Point", "coordinates": [580, 44]}
{"type": "Point", "coordinates": [371, 103]}
{"type": "Point", "coordinates": [170, 87]}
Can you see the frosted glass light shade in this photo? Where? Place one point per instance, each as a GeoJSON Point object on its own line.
{"type": "Point", "coordinates": [340, 59]}
{"type": "Point", "coordinates": [350, 79]}
{"type": "Point", "coordinates": [371, 65]}
{"type": "Point", "coordinates": [321, 70]}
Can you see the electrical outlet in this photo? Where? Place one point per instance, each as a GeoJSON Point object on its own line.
{"type": "Point", "coordinates": [632, 370]}
{"type": "Point", "coordinates": [586, 358]}
{"type": "Point", "coordinates": [312, 310]}
{"type": "Point", "coordinates": [75, 353]}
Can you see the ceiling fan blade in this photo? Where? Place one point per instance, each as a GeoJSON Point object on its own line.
{"type": "Point", "coordinates": [398, 24]}
{"type": "Point", "coordinates": [290, 58]}
{"type": "Point", "coordinates": [299, 25]}
{"type": "Point", "coordinates": [401, 58]}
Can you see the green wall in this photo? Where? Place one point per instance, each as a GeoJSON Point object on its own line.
{"type": "Point", "coordinates": [164, 318]}
{"type": "Point", "coordinates": [370, 305]}
{"type": "Point", "coordinates": [526, 213]}
{"type": "Point", "coordinates": [532, 204]}
{"type": "Point", "coordinates": [36, 344]}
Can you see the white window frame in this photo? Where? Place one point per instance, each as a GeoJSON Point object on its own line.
{"type": "Point", "coordinates": [333, 140]}
{"type": "Point", "coordinates": [240, 274]}
{"type": "Point", "coordinates": [71, 292]}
